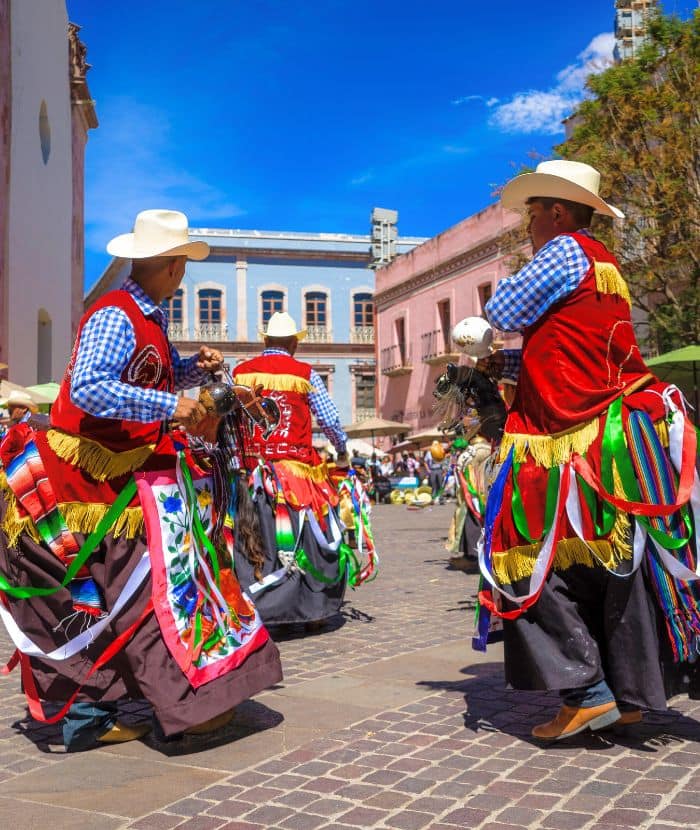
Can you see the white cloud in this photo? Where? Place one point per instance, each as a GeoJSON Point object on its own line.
{"type": "Point", "coordinates": [130, 167]}
{"type": "Point", "coordinates": [542, 111]}
{"type": "Point", "coordinates": [362, 178]}
{"type": "Point", "coordinates": [466, 98]}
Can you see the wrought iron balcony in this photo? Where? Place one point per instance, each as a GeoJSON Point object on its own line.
{"type": "Point", "coordinates": [396, 361]}
{"type": "Point", "coordinates": [317, 334]}
{"type": "Point", "coordinates": [364, 412]}
{"type": "Point", "coordinates": [177, 331]}
{"type": "Point", "coordinates": [434, 350]}
{"type": "Point", "coordinates": [211, 332]}
{"type": "Point", "coordinates": [362, 334]}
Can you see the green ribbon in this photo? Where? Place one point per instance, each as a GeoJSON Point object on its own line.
{"type": "Point", "coordinates": [345, 557]}
{"type": "Point", "coordinates": [86, 549]}
{"type": "Point", "coordinates": [519, 516]}
{"type": "Point", "coordinates": [614, 448]}
{"type": "Point", "coordinates": [197, 526]}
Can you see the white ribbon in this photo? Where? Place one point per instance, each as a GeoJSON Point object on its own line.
{"type": "Point", "coordinates": [83, 640]}
{"type": "Point", "coordinates": [573, 511]}
{"type": "Point", "coordinates": [541, 566]}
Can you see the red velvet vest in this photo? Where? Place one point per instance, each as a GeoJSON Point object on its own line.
{"type": "Point", "coordinates": [286, 380]}
{"type": "Point", "coordinates": [149, 368]}
{"type": "Point", "coordinates": [580, 355]}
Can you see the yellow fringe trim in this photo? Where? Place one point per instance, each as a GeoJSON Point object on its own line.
{"type": "Point", "coordinates": [277, 383]}
{"type": "Point", "coordinates": [84, 518]}
{"type": "Point", "coordinates": [518, 562]}
{"type": "Point", "coordinates": [550, 450]}
{"type": "Point", "coordinates": [93, 458]}
{"type": "Point", "coordinates": [79, 518]}
{"type": "Point", "coordinates": [307, 471]}
{"type": "Point", "coordinates": [608, 280]}
{"type": "Point", "coordinates": [12, 525]}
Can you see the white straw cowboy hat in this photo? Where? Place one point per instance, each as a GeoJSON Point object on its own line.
{"type": "Point", "coordinates": [570, 180]}
{"type": "Point", "coordinates": [282, 324]}
{"type": "Point", "coordinates": [157, 233]}
{"type": "Point", "coordinates": [17, 398]}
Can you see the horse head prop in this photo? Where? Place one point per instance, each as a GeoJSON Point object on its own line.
{"type": "Point", "coordinates": [469, 400]}
{"type": "Point", "coordinates": [221, 399]}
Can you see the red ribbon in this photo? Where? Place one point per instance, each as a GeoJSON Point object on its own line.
{"type": "Point", "coordinates": [685, 484]}
{"type": "Point", "coordinates": [33, 702]}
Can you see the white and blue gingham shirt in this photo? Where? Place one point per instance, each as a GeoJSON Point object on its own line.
{"type": "Point", "coordinates": [556, 270]}
{"type": "Point", "coordinates": [107, 343]}
{"type": "Point", "coordinates": [322, 407]}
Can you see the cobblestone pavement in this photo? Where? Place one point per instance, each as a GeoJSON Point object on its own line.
{"type": "Point", "coordinates": [385, 720]}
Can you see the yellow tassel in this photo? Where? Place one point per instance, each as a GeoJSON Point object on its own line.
{"type": "Point", "coordinates": [276, 383]}
{"type": "Point", "coordinates": [550, 450]}
{"type": "Point", "coordinates": [608, 280]}
{"type": "Point", "coordinates": [307, 471]}
{"type": "Point", "coordinates": [93, 458]}
{"type": "Point", "coordinates": [79, 518]}
{"type": "Point", "coordinates": [661, 428]}
{"type": "Point", "coordinates": [84, 518]}
{"type": "Point", "coordinates": [12, 525]}
{"type": "Point", "coordinates": [621, 533]}
{"type": "Point", "coordinates": [518, 562]}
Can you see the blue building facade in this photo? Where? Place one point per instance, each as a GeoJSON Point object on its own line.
{"type": "Point", "coordinates": [323, 280]}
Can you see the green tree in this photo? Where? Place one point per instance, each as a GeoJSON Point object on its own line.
{"type": "Point", "coordinates": [641, 130]}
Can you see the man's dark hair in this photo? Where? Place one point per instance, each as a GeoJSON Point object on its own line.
{"type": "Point", "coordinates": [286, 343]}
{"type": "Point", "coordinates": [582, 214]}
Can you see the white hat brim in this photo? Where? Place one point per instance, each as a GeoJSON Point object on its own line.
{"type": "Point", "coordinates": [300, 335]}
{"type": "Point", "coordinates": [123, 246]}
{"type": "Point", "coordinates": [530, 185]}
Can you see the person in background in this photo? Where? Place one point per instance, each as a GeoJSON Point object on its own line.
{"type": "Point", "coordinates": [295, 501]}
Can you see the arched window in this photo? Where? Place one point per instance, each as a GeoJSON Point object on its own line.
{"type": "Point", "coordinates": [209, 306]}
{"type": "Point", "coordinates": [272, 301]}
{"type": "Point", "coordinates": [173, 308]}
{"type": "Point", "coordinates": [363, 310]}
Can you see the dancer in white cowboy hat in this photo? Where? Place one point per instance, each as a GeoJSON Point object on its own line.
{"type": "Point", "coordinates": [295, 484]}
{"type": "Point", "coordinates": [588, 489]}
{"type": "Point", "coordinates": [20, 406]}
{"type": "Point", "coordinates": [108, 432]}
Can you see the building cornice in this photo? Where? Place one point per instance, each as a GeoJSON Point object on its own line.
{"type": "Point", "coordinates": [491, 248]}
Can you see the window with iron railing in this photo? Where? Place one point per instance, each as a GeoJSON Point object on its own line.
{"type": "Point", "coordinates": [209, 306]}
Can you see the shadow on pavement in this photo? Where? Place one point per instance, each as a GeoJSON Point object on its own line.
{"type": "Point", "coordinates": [296, 631]}
{"type": "Point", "coordinates": [491, 707]}
{"type": "Point", "coordinates": [250, 717]}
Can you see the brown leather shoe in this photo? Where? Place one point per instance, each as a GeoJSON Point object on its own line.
{"type": "Point", "coordinates": [570, 720]}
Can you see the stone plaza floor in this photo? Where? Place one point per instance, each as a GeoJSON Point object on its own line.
{"type": "Point", "coordinates": [387, 719]}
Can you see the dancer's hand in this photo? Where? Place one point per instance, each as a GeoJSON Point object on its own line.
{"type": "Point", "coordinates": [210, 360]}
{"type": "Point", "coordinates": [188, 413]}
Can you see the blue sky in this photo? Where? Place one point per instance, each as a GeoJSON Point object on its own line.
{"type": "Point", "coordinates": [302, 116]}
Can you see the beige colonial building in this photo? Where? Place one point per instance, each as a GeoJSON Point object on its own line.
{"type": "Point", "coordinates": [45, 115]}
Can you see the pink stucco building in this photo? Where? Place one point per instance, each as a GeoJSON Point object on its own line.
{"type": "Point", "coordinates": [421, 295]}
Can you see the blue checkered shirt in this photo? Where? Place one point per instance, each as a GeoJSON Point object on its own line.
{"type": "Point", "coordinates": [107, 343]}
{"type": "Point", "coordinates": [322, 407]}
{"type": "Point", "coordinates": [556, 270]}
